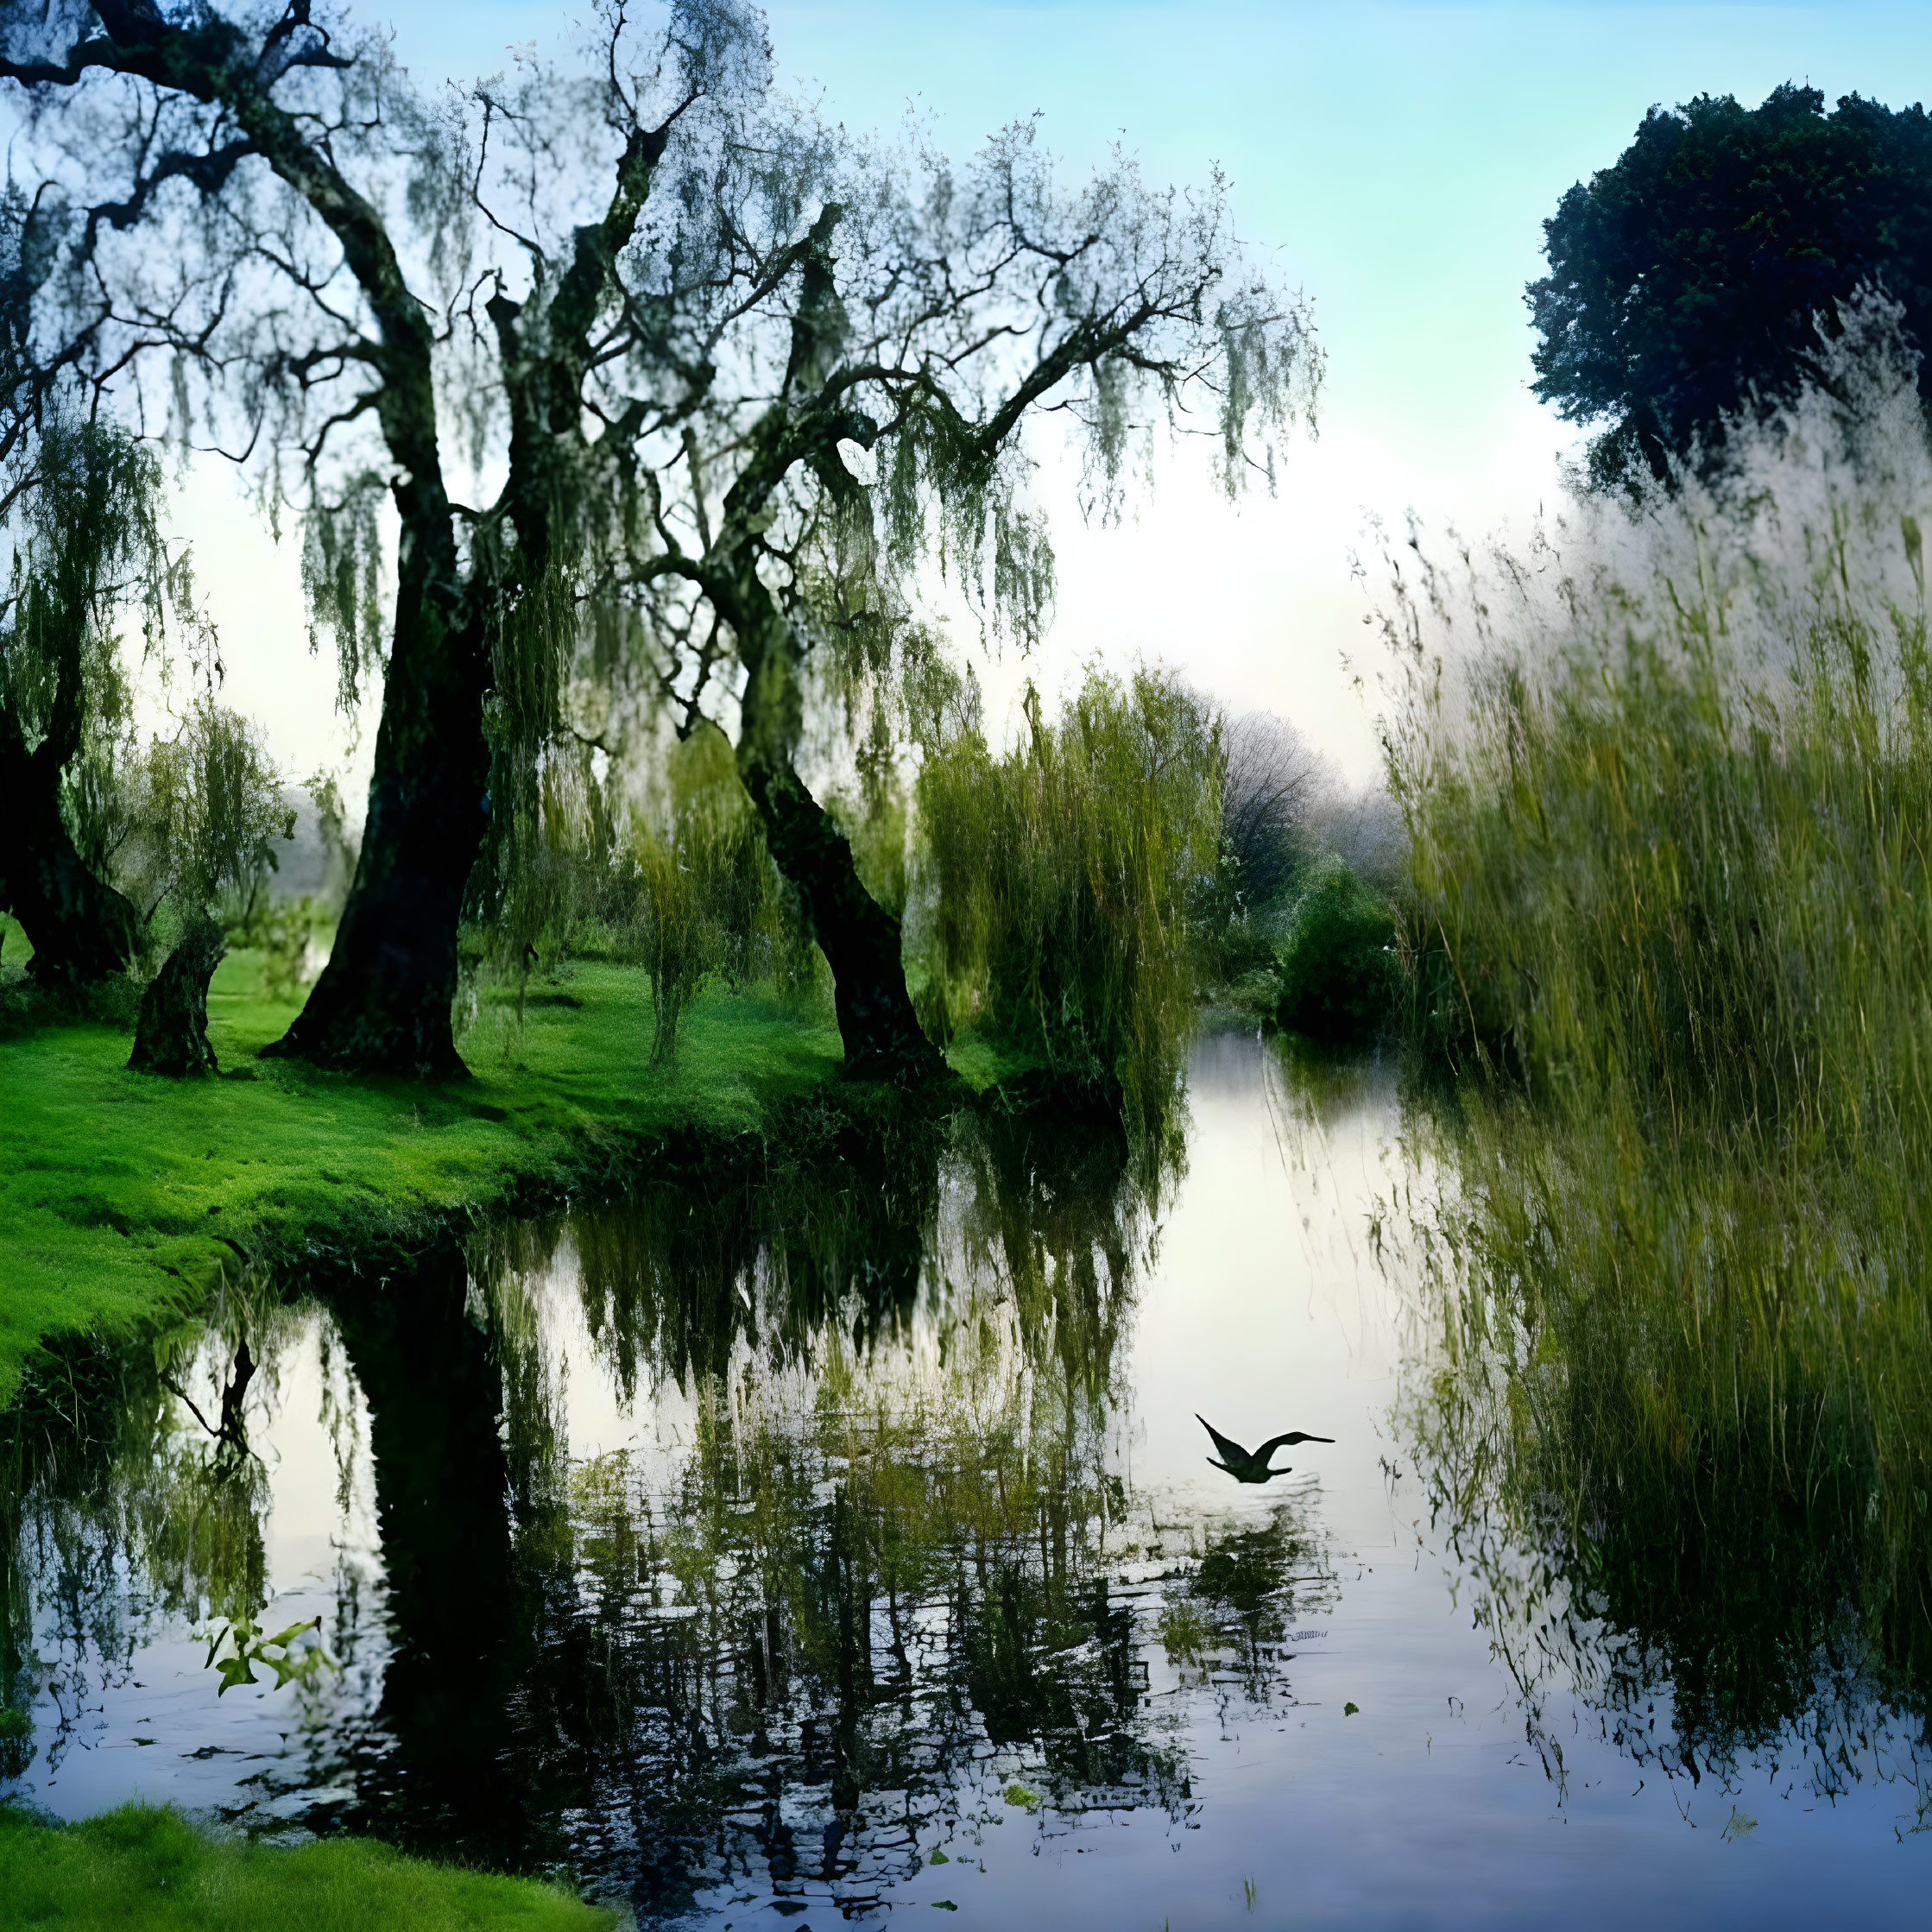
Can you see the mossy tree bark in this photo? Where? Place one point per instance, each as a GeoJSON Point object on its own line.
{"type": "Point", "coordinates": [382, 1003]}
{"type": "Point", "coordinates": [171, 1036]}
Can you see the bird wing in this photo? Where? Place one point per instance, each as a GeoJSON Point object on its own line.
{"type": "Point", "coordinates": [1294, 1435]}
{"type": "Point", "coordinates": [1229, 1448]}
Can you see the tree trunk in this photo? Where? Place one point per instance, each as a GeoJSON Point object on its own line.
{"type": "Point", "coordinates": [81, 928]}
{"type": "Point", "coordinates": [859, 938]}
{"type": "Point", "coordinates": [382, 1003]}
{"type": "Point", "coordinates": [171, 1034]}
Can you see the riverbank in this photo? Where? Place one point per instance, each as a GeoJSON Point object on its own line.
{"type": "Point", "coordinates": [125, 1198]}
{"type": "Point", "coordinates": [143, 1868]}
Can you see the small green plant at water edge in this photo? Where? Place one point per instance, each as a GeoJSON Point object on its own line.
{"type": "Point", "coordinates": [250, 1648]}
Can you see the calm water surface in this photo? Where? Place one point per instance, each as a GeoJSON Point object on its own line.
{"type": "Point", "coordinates": [837, 1542]}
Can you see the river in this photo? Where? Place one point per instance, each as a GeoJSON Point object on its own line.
{"type": "Point", "coordinates": [816, 1545]}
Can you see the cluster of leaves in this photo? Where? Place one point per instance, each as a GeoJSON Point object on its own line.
{"type": "Point", "coordinates": [248, 1648]}
{"type": "Point", "coordinates": [1693, 274]}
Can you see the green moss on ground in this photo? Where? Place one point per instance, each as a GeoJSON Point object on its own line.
{"type": "Point", "coordinates": [143, 1867]}
{"type": "Point", "coordinates": [123, 1195]}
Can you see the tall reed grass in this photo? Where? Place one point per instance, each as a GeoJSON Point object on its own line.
{"type": "Point", "coordinates": [1669, 919]}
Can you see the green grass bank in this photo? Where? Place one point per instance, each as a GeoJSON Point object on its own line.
{"type": "Point", "coordinates": [124, 1197]}
{"type": "Point", "coordinates": [143, 1868]}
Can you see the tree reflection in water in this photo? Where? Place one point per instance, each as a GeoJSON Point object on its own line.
{"type": "Point", "coordinates": [872, 1575]}
{"type": "Point", "coordinates": [121, 1512]}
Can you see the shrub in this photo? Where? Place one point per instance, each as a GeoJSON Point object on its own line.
{"type": "Point", "coordinates": [1062, 881]}
{"type": "Point", "coordinates": [284, 932]}
{"type": "Point", "coordinates": [1339, 977]}
{"type": "Point", "coordinates": [691, 894]}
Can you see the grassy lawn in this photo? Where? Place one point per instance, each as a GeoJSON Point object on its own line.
{"type": "Point", "coordinates": [144, 1869]}
{"type": "Point", "coordinates": [123, 1194]}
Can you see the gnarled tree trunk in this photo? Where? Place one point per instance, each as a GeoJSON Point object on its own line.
{"type": "Point", "coordinates": [171, 1036]}
{"type": "Point", "coordinates": [173, 1032]}
{"type": "Point", "coordinates": [81, 928]}
{"type": "Point", "coordinates": [382, 1003]}
{"type": "Point", "coordinates": [860, 938]}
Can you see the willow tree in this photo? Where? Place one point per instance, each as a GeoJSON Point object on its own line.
{"type": "Point", "coordinates": [739, 375]}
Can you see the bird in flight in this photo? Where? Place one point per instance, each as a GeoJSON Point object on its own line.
{"type": "Point", "coordinates": [1245, 1467]}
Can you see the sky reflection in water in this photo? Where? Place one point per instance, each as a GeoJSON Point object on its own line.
{"type": "Point", "coordinates": [742, 1551]}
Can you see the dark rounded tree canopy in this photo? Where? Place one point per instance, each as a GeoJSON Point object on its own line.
{"type": "Point", "coordinates": [1693, 274]}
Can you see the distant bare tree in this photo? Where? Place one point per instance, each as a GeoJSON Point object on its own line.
{"type": "Point", "coordinates": [1274, 782]}
{"type": "Point", "coordinates": [1364, 829]}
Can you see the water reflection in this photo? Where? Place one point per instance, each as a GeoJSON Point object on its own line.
{"type": "Point", "coordinates": [132, 1511]}
{"type": "Point", "coordinates": [761, 1536]}
{"type": "Point", "coordinates": [1717, 1600]}
{"type": "Point", "coordinates": [839, 1503]}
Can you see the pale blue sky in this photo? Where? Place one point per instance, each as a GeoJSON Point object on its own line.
{"type": "Point", "coordinates": [1399, 157]}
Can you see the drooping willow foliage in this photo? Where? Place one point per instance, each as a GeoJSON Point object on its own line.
{"type": "Point", "coordinates": [1066, 877]}
{"type": "Point", "coordinates": [109, 827]}
{"type": "Point", "coordinates": [695, 896]}
{"type": "Point", "coordinates": [204, 816]}
{"type": "Point", "coordinates": [82, 530]}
